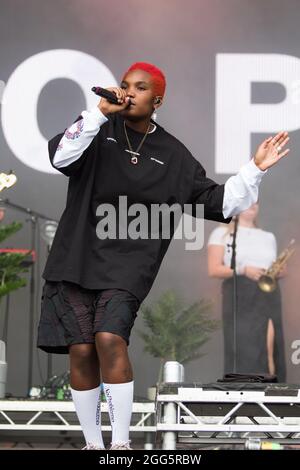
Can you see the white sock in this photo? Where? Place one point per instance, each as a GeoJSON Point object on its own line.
{"type": "Point", "coordinates": [119, 398]}
{"type": "Point", "coordinates": [88, 408]}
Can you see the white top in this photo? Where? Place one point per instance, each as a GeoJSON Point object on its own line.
{"type": "Point", "coordinates": [254, 247]}
{"type": "Point", "coordinates": [240, 190]}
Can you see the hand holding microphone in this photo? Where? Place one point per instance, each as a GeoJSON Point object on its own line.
{"type": "Point", "coordinates": [112, 100]}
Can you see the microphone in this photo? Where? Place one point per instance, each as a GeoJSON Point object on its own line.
{"type": "Point", "coordinates": [109, 95]}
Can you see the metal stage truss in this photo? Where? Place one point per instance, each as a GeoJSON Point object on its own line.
{"type": "Point", "coordinates": [227, 413]}
{"type": "Point", "coordinates": [183, 414]}
{"type": "Point", "coordinates": [58, 417]}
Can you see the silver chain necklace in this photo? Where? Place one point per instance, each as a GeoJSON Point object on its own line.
{"type": "Point", "coordinates": [135, 155]}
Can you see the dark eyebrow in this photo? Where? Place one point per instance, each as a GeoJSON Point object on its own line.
{"type": "Point", "coordinates": [141, 82]}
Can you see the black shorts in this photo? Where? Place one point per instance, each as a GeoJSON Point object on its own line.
{"type": "Point", "coordinates": [71, 314]}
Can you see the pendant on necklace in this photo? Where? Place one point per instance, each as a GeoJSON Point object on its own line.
{"type": "Point", "coordinates": [134, 160]}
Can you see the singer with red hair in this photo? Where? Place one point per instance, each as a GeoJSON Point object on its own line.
{"type": "Point", "coordinates": [95, 279]}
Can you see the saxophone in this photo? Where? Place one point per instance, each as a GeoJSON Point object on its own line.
{"type": "Point", "coordinates": [267, 282]}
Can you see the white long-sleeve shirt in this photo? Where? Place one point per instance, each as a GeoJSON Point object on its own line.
{"type": "Point", "coordinates": [240, 191]}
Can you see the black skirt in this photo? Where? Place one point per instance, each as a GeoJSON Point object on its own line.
{"type": "Point", "coordinates": [254, 309]}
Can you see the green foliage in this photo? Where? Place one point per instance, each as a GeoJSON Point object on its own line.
{"type": "Point", "coordinates": [10, 286]}
{"type": "Point", "coordinates": [8, 230]}
{"type": "Point", "coordinates": [177, 332]}
{"type": "Point", "coordinates": [10, 263]}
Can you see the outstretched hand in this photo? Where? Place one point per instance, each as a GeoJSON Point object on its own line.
{"type": "Point", "coordinates": [271, 151]}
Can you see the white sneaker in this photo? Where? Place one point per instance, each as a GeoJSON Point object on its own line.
{"type": "Point", "coordinates": [120, 445]}
{"type": "Point", "coordinates": [91, 446]}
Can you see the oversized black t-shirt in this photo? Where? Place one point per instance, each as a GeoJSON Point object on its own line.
{"type": "Point", "coordinates": [102, 174]}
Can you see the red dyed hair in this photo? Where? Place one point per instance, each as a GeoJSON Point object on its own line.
{"type": "Point", "coordinates": [158, 78]}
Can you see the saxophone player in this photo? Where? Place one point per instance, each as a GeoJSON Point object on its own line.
{"type": "Point", "coordinates": [259, 331]}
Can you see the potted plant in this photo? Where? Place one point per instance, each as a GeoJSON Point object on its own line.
{"type": "Point", "coordinates": [10, 268]}
{"type": "Point", "coordinates": [176, 331]}
{"type": "Point", "coordinates": [11, 263]}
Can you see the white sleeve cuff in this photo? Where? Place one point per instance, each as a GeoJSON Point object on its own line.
{"type": "Point", "coordinates": [95, 115]}
{"type": "Point", "coordinates": [241, 190]}
{"type": "Point", "coordinates": [251, 172]}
